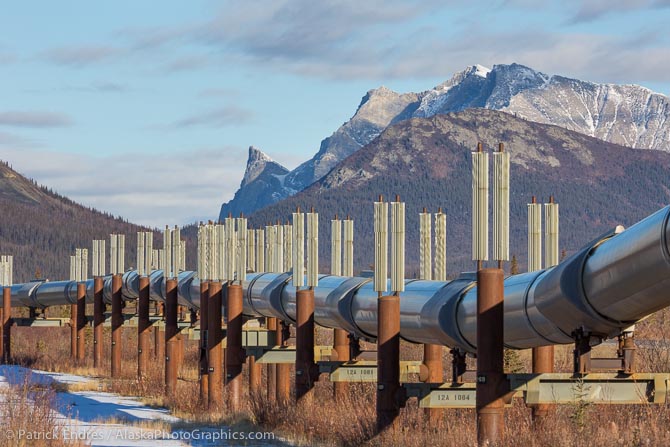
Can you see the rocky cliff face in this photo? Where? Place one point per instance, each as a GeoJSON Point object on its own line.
{"type": "Point", "coordinates": [263, 184]}
{"type": "Point", "coordinates": [378, 109]}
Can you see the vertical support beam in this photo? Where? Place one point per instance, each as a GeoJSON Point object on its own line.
{"type": "Point", "coordinates": [234, 351]}
{"type": "Point", "coordinates": [388, 360]}
{"type": "Point", "coordinates": [254, 375]}
{"type": "Point", "coordinates": [98, 320]}
{"type": "Point", "coordinates": [458, 365]}
{"type": "Point", "coordinates": [204, 321]}
{"type": "Point", "coordinates": [143, 329]}
{"type": "Point", "coordinates": [304, 344]}
{"type": "Point", "coordinates": [432, 354]}
{"type": "Point", "coordinates": [271, 325]}
{"type": "Point", "coordinates": [432, 361]}
{"type": "Point", "coordinates": [341, 348]}
{"type": "Point", "coordinates": [6, 324]}
{"type": "Point", "coordinates": [81, 321]}
{"type": "Point", "coordinates": [117, 325]}
{"type": "Point", "coordinates": [388, 319]}
{"type": "Point", "coordinates": [159, 336]}
{"type": "Point", "coordinates": [543, 357]}
{"type": "Point", "coordinates": [214, 353]}
{"type": "Point", "coordinates": [171, 342]}
{"type": "Point", "coordinates": [73, 331]}
{"type": "Point", "coordinates": [491, 384]}
{"type": "Point", "coordinates": [283, 369]}
{"type": "Point", "coordinates": [543, 362]}
{"type": "Point", "coordinates": [582, 354]}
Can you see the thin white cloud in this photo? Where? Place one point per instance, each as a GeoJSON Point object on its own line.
{"type": "Point", "coordinates": [100, 87]}
{"type": "Point", "coordinates": [152, 190]}
{"type": "Point", "coordinates": [218, 92]}
{"type": "Point", "coordinates": [12, 141]}
{"type": "Point", "coordinates": [187, 63]}
{"type": "Point", "coordinates": [81, 56]}
{"type": "Point", "coordinates": [226, 116]}
{"type": "Point", "coordinates": [590, 10]}
{"type": "Point", "coordinates": [15, 118]}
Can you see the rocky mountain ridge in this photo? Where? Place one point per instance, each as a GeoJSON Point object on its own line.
{"type": "Point", "coordinates": [627, 115]}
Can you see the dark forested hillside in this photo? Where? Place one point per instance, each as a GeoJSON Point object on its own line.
{"type": "Point", "coordinates": [41, 229]}
{"type": "Point", "coordinates": [427, 162]}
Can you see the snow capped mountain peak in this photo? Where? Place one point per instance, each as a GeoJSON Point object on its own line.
{"type": "Point", "coordinates": [629, 115]}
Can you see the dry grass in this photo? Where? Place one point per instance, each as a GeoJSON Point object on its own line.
{"type": "Point", "coordinates": [352, 421]}
{"type": "Point", "coordinates": [28, 419]}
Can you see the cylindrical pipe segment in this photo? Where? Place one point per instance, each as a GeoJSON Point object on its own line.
{"type": "Point", "coordinates": [6, 324]}
{"type": "Point", "coordinates": [81, 321]}
{"type": "Point", "coordinates": [143, 328]}
{"type": "Point", "coordinates": [171, 342]}
{"type": "Point", "coordinates": [491, 383]}
{"type": "Point", "coordinates": [98, 320]}
{"type": "Point", "coordinates": [204, 315]}
{"type": "Point", "coordinates": [117, 325]}
{"type": "Point", "coordinates": [234, 351]}
{"type": "Point", "coordinates": [388, 361]}
{"type": "Point", "coordinates": [304, 344]}
{"type": "Point", "coordinates": [342, 351]}
{"type": "Point", "coordinates": [271, 326]}
{"type": "Point", "coordinates": [214, 354]}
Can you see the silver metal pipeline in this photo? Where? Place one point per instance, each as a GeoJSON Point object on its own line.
{"type": "Point", "coordinates": [614, 281]}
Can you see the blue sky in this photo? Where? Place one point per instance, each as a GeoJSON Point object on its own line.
{"type": "Point", "coordinates": [146, 109]}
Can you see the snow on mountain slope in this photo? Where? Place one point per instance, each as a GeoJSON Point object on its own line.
{"type": "Point", "coordinates": [629, 115]}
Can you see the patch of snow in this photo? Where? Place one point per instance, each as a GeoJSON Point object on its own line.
{"type": "Point", "coordinates": [281, 178]}
{"type": "Point", "coordinates": [81, 416]}
{"type": "Point", "coordinates": [482, 71]}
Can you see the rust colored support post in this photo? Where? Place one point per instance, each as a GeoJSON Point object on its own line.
{"type": "Point", "coordinates": [143, 328]}
{"type": "Point", "coordinates": [171, 342]}
{"type": "Point", "coordinates": [254, 375]}
{"type": "Point", "coordinates": [234, 351]}
{"type": "Point", "coordinates": [271, 325]}
{"type": "Point", "coordinates": [159, 336]}
{"type": "Point", "coordinates": [432, 362]}
{"type": "Point", "coordinates": [628, 353]}
{"type": "Point", "coordinates": [98, 320]}
{"type": "Point", "coordinates": [6, 324]}
{"type": "Point", "coordinates": [180, 350]}
{"type": "Point", "coordinates": [543, 362]}
{"type": "Point", "coordinates": [491, 383]}
{"type": "Point", "coordinates": [73, 331]}
{"type": "Point", "coordinates": [117, 325]}
{"type": "Point", "coordinates": [204, 315]}
{"type": "Point", "coordinates": [341, 348]}
{"type": "Point", "coordinates": [283, 369]}
{"type": "Point", "coordinates": [305, 368]}
{"type": "Point", "coordinates": [214, 350]}
{"type": "Point", "coordinates": [388, 361]}
{"type": "Point", "coordinates": [81, 321]}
